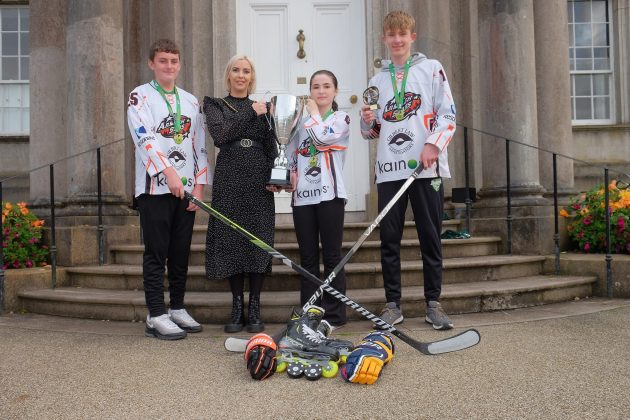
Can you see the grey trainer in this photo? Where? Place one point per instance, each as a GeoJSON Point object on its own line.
{"type": "Point", "coordinates": [391, 314]}
{"type": "Point", "coordinates": [184, 320]}
{"type": "Point", "coordinates": [163, 328]}
{"type": "Point", "coordinates": [437, 316]}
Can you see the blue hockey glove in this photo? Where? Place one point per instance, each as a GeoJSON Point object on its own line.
{"type": "Point", "coordinates": [366, 361]}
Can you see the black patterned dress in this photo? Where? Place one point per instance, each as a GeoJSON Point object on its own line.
{"type": "Point", "coordinates": [238, 190]}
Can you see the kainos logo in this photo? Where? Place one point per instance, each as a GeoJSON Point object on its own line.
{"type": "Point", "coordinates": [166, 128]}
{"type": "Point", "coordinates": [411, 105]}
{"type": "Point", "coordinates": [177, 157]}
{"type": "Point", "coordinates": [400, 165]}
{"type": "Point", "coordinates": [316, 192]}
{"type": "Point", "coordinates": [312, 174]}
{"type": "Point", "coordinates": [400, 141]}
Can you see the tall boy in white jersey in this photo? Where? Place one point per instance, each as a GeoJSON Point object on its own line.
{"type": "Point", "coordinates": [414, 124]}
{"type": "Point", "coordinates": [167, 129]}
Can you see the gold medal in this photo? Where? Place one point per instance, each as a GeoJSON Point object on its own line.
{"type": "Point", "coordinates": [313, 161]}
{"type": "Point", "coordinates": [399, 114]}
{"type": "Point", "coordinates": [178, 138]}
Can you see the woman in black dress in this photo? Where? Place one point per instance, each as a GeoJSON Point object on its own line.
{"type": "Point", "coordinates": [247, 149]}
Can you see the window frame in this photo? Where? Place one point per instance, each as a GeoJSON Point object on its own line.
{"type": "Point", "coordinates": [610, 73]}
{"type": "Point", "coordinates": [21, 129]}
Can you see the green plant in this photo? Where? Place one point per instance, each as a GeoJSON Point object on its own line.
{"type": "Point", "coordinates": [586, 219]}
{"type": "Point", "coordinates": [22, 237]}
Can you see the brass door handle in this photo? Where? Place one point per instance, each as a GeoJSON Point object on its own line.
{"type": "Point", "coordinates": [353, 99]}
{"type": "Point", "coordinates": [300, 39]}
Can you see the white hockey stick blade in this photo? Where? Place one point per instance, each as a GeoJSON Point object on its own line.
{"type": "Point", "coordinates": [461, 341]}
{"type": "Point", "coordinates": [236, 344]}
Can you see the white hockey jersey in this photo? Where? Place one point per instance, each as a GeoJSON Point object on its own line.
{"type": "Point", "coordinates": [429, 117]}
{"type": "Point", "coordinates": [321, 180]}
{"type": "Point", "coordinates": [152, 130]}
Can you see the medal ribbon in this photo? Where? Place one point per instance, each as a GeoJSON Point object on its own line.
{"type": "Point", "coordinates": [177, 119]}
{"type": "Point", "coordinates": [312, 150]}
{"type": "Point", "coordinates": [399, 96]}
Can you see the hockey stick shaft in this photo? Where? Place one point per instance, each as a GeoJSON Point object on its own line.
{"type": "Point", "coordinates": [422, 347]}
{"type": "Point", "coordinates": [364, 236]}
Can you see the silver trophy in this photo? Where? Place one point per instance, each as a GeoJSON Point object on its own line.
{"type": "Point", "coordinates": [286, 113]}
{"type": "Point", "coordinates": [370, 97]}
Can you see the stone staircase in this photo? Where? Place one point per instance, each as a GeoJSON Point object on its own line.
{"type": "Point", "coordinates": [476, 278]}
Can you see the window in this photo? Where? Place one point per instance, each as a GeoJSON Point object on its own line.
{"type": "Point", "coordinates": [591, 62]}
{"type": "Point", "coordinates": [14, 73]}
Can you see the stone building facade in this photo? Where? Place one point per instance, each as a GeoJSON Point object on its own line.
{"type": "Point", "coordinates": [508, 62]}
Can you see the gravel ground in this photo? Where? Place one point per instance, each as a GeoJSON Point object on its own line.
{"type": "Point", "coordinates": [573, 367]}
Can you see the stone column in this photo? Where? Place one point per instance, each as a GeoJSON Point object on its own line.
{"type": "Point", "coordinates": [508, 98]}
{"type": "Point", "coordinates": [621, 9]}
{"type": "Point", "coordinates": [48, 84]}
{"type": "Point", "coordinates": [508, 110]}
{"type": "Point", "coordinates": [95, 101]}
{"type": "Point", "coordinates": [553, 90]}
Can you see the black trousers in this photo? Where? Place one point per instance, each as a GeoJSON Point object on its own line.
{"type": "Point", "coordinates": [428, 206]}
{"type": "Point", "coordinates": [167, 231]}
{"type": "Point", "coordinates": [323, 221]}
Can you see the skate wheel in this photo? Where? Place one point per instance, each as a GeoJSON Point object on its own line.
{"type": "Point", "coordinates": [313, 372]}
{"type": "Point", "coordinates": [330, 370]}
{"type": "Point", "coordinates": [281, 367]}
{"type": "Point", "coordinates": [295, 370]}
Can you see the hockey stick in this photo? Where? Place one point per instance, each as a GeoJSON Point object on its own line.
{"type": "Point", "coordinates": [364, 236]}
{"type": "Point", "coordinates": [461, 341]}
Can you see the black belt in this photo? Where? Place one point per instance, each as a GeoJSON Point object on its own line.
{"type": "Point", "coordinates": [245, 143]}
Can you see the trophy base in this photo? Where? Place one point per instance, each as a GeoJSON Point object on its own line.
{"type": "Point", "coordinates": [374, 107]}
{"type": "Point", "coordinates": [280, 177]}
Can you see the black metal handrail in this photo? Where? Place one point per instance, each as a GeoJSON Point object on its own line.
{"type": "Point", "coordinates": [53, 236]}
{"type": "Point", "coordinates": [468, 203]}
{"type": "Point", "coordinates": [509, 217]}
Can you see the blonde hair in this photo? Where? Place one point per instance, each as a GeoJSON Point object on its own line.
{"type": "Point", "coordinates": [399, 20]}
{"type": "Point", "coordinates": [228, 67]}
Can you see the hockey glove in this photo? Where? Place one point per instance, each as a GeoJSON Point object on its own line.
{"type": "Point", "coordinates": [366, 361]}
{"type": "Point", "coordinates": [260, 356]}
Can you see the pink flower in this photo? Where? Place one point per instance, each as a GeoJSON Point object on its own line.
{"type": "Point", "coordinates": [32, 241]}
{"type": "Point", "coordinates": [587, 220]}
{"type": "Point", "coordinates": [587, 246]}
{"type": "Point", "coordinates": [16, 264]}
{"type": "Point", "coordinates": [28, 263]}
{"type": "Point", "coordinates": [620, 223]}
{"type": "Point", "coordinates": [576, 206]}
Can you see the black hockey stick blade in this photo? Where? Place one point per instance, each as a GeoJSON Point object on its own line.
{"type": "Point", "coordinates": [469, 338]}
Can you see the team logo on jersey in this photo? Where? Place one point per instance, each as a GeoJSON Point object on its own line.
{"type": "Point", "coordinates": [411, 105]}
{"type": "Point", "coordinates": [312, 174]}
{"type": "Point", "coordinates": [140, 131]}
{"type": "Point", "coordinates": [167, 130]}
{"type": "Point", "coordinates": [400, 141]}
{"type": "Point", "coordinates": [435, 183]}
{"type": "Point", "coordinates": [177, 157]}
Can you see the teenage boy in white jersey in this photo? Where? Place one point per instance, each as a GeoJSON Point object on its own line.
{"type": "Point", "coordinates": [167, 129]}
{"type": "Point", "coordinates": [414, 124]}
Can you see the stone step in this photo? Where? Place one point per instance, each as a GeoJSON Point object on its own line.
{"type": "Point", "coordinates": [285, 233]}
{"type": "Point", "coordinates": [127, 305]}
{"type": "Point", "coordinates": [358, 275]}
{"type": "Point", "coordinates": [368, 252]}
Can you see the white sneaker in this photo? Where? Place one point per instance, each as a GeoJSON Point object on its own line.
{"type": "Point", "coordinates": [184, 321]}
{"type": "Point", "coordinates": [163, 328]}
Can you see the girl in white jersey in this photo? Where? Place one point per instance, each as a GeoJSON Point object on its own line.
{"type": "Point", "coordinates": [316, 157]}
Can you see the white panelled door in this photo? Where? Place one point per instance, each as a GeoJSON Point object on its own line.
{"type": "Point", "coordinates": [334, 39]}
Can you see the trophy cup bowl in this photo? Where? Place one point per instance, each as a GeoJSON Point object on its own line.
{"type": "Point", "coordinates": [286, 113]}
